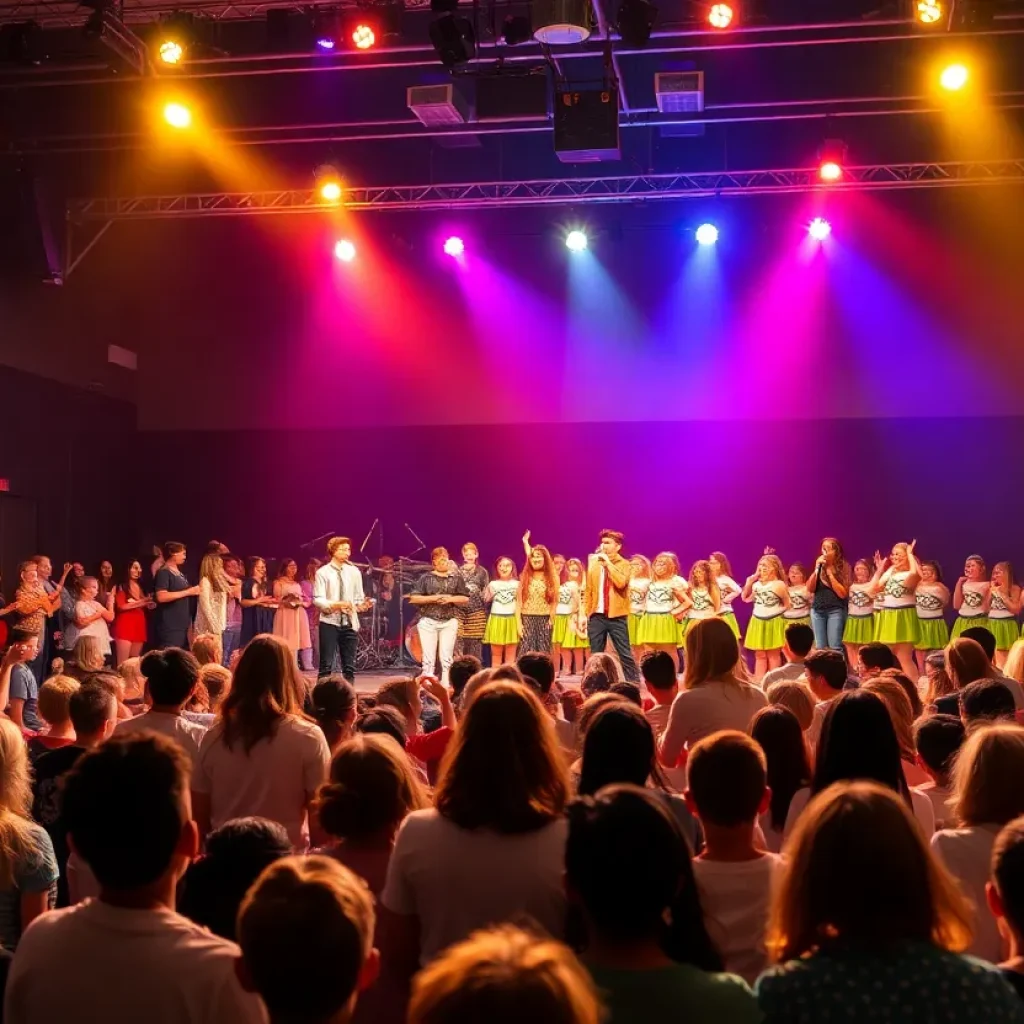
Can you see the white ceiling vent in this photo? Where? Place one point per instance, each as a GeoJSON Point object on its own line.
{"type": "Point", "coordinates": [679, 92]}
{"type": "Point", "coordinates": [437, 104]}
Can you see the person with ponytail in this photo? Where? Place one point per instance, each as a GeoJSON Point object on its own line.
{"type": "Point", "coordinates": [334, 708]}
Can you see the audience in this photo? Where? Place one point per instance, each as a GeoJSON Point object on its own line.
{"type": "Point", "coordinates": [795, 697]}
{"type": "Point", "coordinates": [54, 708]}
{"type": "Point", "coordinates": [1005, 896]}
{"type": "Point", "coordinates": [986, 638]}
{"type": "Point", "coordinates": [873, 659]}
{"type": "Point", "coordinates": [334, 708]}
{"type": "Point", "coordinates": [777, 731]}
{"type": "Point", "coordinates": [966, 663]}
{"type": "Point", "coordinates": [938, 740]}
{"type": "Point", "coordinates": [866, 924]}
{"type": "Point", "coordinates": [643, 936]}
{"type": "Point", "coordinates": [937, 681]}
{"type": "Point", "coordinates": [901, 713]}
{"type": "Point", "coordinates": [127, 956]}
{"type": "Point", "coordinates": [541, 669]}
{"type": "Point", "coordinates": [217, 680]}
{"type": "Point", "coordinates": [826, 678]}
{"type": "Point", "coordinates": [24, 687]}
{"type": "Point", "coordinates": [986, 701]}
{"type": "Point", "coordinates": [799, 643]}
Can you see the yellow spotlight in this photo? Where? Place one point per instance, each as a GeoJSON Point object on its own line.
{"type": "Point", "coordinates": [363, 37]}
{"type": "Point", "coordinates": [954, 77]}
{"type": "Point", "coordinates": [330, 191]}
{"type": "Point", "coordinates": [177, 115]}
{"type": "Point", "coordinates": [928, 12]}
{"type": "Point", "coordinates": [171, 51]}
{"type": "Point", "coordinates": [720, 16]}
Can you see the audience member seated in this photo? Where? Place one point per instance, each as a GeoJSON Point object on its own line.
{"type": "Point", "coordinates": [53, 707]}
{"type": "Point", "coordinates": [384, 721]}
{"type": "Point", "coordinates": [858, 741]}
{"type": "Point", "coordinates": [988, 642]}
{"type": "Point", "coordinates": [206, 649]}
{"type": "Point", "coordinates": [404, 695]}
{"type": "Point", "coordinates": [306, 932]}
{"type": "Point", "coordinates": [505, 975]}
{"type": "Point", "coordinates": [462, 670]}
{"type": "Point", "coordinates": [866, 925]}
{"type": "Point", "coordinates": [873, 659]}
{"type": "Point", "coordinates": [263, 758]}
{"type": "Point", "coordinates": [937, 681]}
{"type": "Point", "coordinates": [493, 846]}
{"type": "Point", "coordinates": [892, 695]}
{"type": "Point", "coordinates": [215, 884]}
{"type": "Point", "coordinates": [595, 680]}
{"type": "Point", "coordinates": [217, 680]}
{"type": "Point", "coordinates": [938, 739]}
{"type": "Point", "coordinates": [171, 676]}
{"type": "Point", "coordinates": [826, 677]}
{"type": "Point", "coordinates": [130, 672]}
{"type": "Point", "coordinates": [987, 794]}
{"type": "Point", "coordinates": [910, 690]}
{"type": "Point", "coordinates": [795, 697]}
{"type": "Point", "coordinates": [713, 696]}
{"type": "Point", "coordinates": [776, 730]}
{"type": "Point", "coordinates": [727, 791]}
{"type": "Point", "coordinates": [1005, 895]}
{"type": "Point", "coordinates": [334, 708]}
{"type": "Point", "coordinates": [127, 957]}
{"type": "Point", "coordinates": [986, 701]}
{"type": "Point", "coordinates": [629, 692]}
{"type": "Point", "coordinates": [636, 915]}
{"type": "Point", "coordinates": [966, 663]}
{"type": "Point", "coordinates": [799, 643]}
{"type": "Point", "coordinates": [541, 668]}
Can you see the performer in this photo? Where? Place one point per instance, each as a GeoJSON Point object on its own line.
{"type": "Point", "coordinates": [473, 617]}
{"type": "Point", "coordinates": [338, 594]}
{"type": "Point", "coordinates": [704, 595]}
{"type": "Point", "coordinates": [970, 596]}
{"type": "Point", "coordinates": [829, 586]}
{"type": "Point", "coordinates": [860, 620]}
{"type": "Point", "coordinates": [728, 589]}
{"type": "Point", "coordinates": [502, 632]}
{"type": "Point", "coordinates": [799, 611]}
{"type": "Point", "coordinates": [897, 622]}
{"type": "Point", "coordinates": [666, 599]}
{"type": "Point", "coordinates": [438, 595]}
{"type": "Point", "coordinates": [570, 626]}
{"type": "Point", "coordinates": [766, 631]}
{"type": "Point", "coordinates": [537, 600]}
{"type": "Point", "coordinates": [607, 601]}
{"type": "Point", "coordinates": [1003, 608]}
{"type": "Point", "coordinates": [932, 598]}
{"type": "Point", "coordinates": [639, 581]}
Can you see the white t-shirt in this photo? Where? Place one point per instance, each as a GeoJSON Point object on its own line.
{"type": "Point", "coordinates": [97, 628]}
{"type": "Point", "coordinates": [967, 852]}
{"type": "Point", "coordinates": [919, 804]}
{"type": "Point", "coordinates": [942, 803]}
{"type": "Point", "coordinates": [789, 673]}
{"type": "Point", "coordinates": [707, 708]}
{"type": "Point", "coordinates": [272, 780]}
{"type": "Point", "coordinates": [661, 596]}
{"type": "Point", "coordinates": [735, 897]}
{"type": "Point", "coordinates": [456, 881]}
{"type": "Point", "coordinates": [188, 735]}
{"type": "Point", "coordinates": [101, 963]}
{"type": "Point", "coordinates": [503, 596]}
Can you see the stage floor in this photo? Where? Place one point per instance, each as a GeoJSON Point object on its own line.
{"type": "Point", "coordinates": [367, 682]}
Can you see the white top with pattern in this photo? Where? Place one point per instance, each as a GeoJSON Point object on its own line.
{"type": "Point", "coordinates": [661, 598]}
{"type": "Point", "coordinates": [638, 595]}
{"type": "Point", "coordinates": [800, 602]}
{"type": "Point", "coordinates": [997, 607]}
{"type": "Point", "coordinates": [860, 603]}
{"type": "Point", "coordinates": [703, 606]}
{"type": "Point", "coordinates": [567, 597]}
{"type": "Point", "coordinates": [974, 599]}
{"type": "Point", "coordinates": [767, 604]}
{"type": "Point", "coordinates": [929, 598]}
{"type": "Point", "coordinates": [894, 590]}
{"type": "Point", "coordinates": [729, 589]}
{"type": "Point", "coordinates": [504, 596]}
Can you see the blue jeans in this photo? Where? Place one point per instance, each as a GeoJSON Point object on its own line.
{"type": "Point", "coordinates": [828, 628]}
{"type": "Point", "coordinates": [230, 640]}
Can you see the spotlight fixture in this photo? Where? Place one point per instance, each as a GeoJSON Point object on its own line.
{"type": "Point", "coordinates": [576, 241]}
{"type": "Point", "coordinates": [453, 39]}
{"type": "Point", "coordinates": [831, 158]}
{"type": "Point", "coordinates": [454, 246]}
{"type": "Point", "coordinates": [345, 251]}
{"type": "Point", "coordinates": [517, 30]}
{"type": "Point", "coordinates": [928, 12]}
{"type": "Point", "coordinates": [707, 234]}
{"type": "Point", "coordinates": [363, 37]}
{"type": "Point", "coordinates": [819, 229]}
{"type": "Point", "coordinates": [954, 77]}
{"type": "Point", "coordinates": [177, 115]}
{"type": "Point", "coordinates": [721, 16]}
{"type": "Point", "coordinates": [175, 37]}
{"type": "Point", "coordinates": [635, 22]}
{"type": "Point", "coordinates": [326, 31]}
{"type": "Point", "coordinates": [171, 51]}
{"type": "Point", "coordinates": [325, 43]}
{"type": "Point", "coordinates": [328, 183]}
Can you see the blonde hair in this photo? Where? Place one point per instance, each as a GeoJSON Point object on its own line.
{"type": "Point", "coordinates": [54, 697]}
{"type": "Point", "coordinates": [505, 975]}
{"type": "Point", "coordinates": [1014, 666]}
{"type": "Point", "coordinates": [88, 654]}
{"type": "Point", "coordinates": [900, 711]}
{"type": "Point", "coordinates": [206, 649]}
{"type": "Point", "coordinates": [130, 671]}
{"type": "Point", "coordinates": [605, 663]}
{"type": "Point", "coordinates": [986, 776]}
{"type": "Point", "coordinates": [16, 836]}
{"type": "Point", "coordinates": [795, 696]}
{"type": "Point", "coordinates": [644, 561]}
{"type": "Point", "coordinates": [712, 652]}
{"type": "Point", "coordinates": [776, 563]}
{"type": "Point", "coordinates": [673, 561]}
{"type": "Point", "coordinates": [212, 568]}
{"type": "Point", "coordinates": [217, 680]}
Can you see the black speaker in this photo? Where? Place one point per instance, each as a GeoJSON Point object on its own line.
{"type": "Point", "coordinates": [587, 126]}
{"type": "Point", "coordinates": [512, 98]}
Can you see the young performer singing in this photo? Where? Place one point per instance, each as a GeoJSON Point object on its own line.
{"type": "Point", "coordinates": [607, 601]}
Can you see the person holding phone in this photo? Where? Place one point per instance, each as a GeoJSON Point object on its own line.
{"type": "Point", "coordinates": [607, 598]}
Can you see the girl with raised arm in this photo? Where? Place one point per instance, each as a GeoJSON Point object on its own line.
{"type": "Point", "coordinates": [897, 621]}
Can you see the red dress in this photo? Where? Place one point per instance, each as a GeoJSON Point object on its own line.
{"type": "Point", "coordinates": [128, 625]}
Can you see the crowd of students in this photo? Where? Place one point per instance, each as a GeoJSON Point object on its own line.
{"type": "Point", "coordinates": [180, 841]}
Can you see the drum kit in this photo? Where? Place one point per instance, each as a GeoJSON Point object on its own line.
{"type": "Point", "coordinates": [386, 639]}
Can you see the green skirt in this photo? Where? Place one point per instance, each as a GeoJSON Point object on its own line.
{"type": "Point", "coordinates": [765, 634]}
{"type": "Point", "coordinates": [634, 629]}
{"type": "Point", "coordinates": [932, 634]}
{"type": "Point", "coordinates": [859, 629]}
{"type": "Point", "coordinates": [897, 626]}
{"type": "Point", "coordinates": [1005, 631]}
{"type": "Point", "coordinates": [729, 617]}
{"type": "Point", "coordinates": [876, 624]}
{"type": "Point", "coordinates": [968, 622]}
{"type": "Point", "coordinates": [803, 621]}
{"type": "Point", "coordinates": [501, 630]}
{"type": "Point", "coordinates": [658, 628]}
{"type": "Point", "coordinates": [572, 642]}
{"type": "Point", "coordinates": [559, 630]}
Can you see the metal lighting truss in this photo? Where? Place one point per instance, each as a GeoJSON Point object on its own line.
{"type": "Point", "coordinates": [81, 213]}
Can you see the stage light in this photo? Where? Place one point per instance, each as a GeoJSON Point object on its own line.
{"type": "Point", "coordinates": [326, 43]}
{"type": "Point", "coordinates": [928, 12]}
{"type": "Point", "coordinates": [171, 51]}
{"type": "Point", "coordinates": [635, 22]}
{"type": "Point", "coordinates": [328, 183]}
{"type": "Point", "coordinates": [954, 77]}
{"type": "Point", "coordinates": [707, 234]}
{"type": "Point", "coordinates": [830, 171]}
{"type": "Point", "coordinates": [177, 115]}
{"type": "Point", "coordinates": [576, 241]}
{"type": "Point", "coordinates": [720, 16]}
{"type": "Point", "coordinates": [819, 229]}
{"type": "Point", "coordinates": [345, 251]}
{"type": "Point", "coordinates": [330, 191]}
{"type": "Point", "coordinates": [363, 37]}
{"type": "Point", "coordinates": [454, 246]}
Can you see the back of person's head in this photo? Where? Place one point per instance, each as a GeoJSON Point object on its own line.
{"type": "Point", "coordinates": [910, 689]}
{"type": "Point", "coordinates": [938, 739]}
{"type": "Point", "coordinates": [54, 700]}
{"type": "Point", "coordinates": [505, 725]}
{"type": "Point", "coordinates": [967, 662]}
{"type": "Point", "coordinates": [726, 777]}
{"type": "Point", "coordinates": [507, 672]}
{"type": "Point", "coordinates": [91, 708]}
{"type": "Point", "coordinates": [126, 810]}
{"type": "Point", "coordinates": [88, 654]}
{"type": "Point", "coordinates": [987, 700]}
{"type": "Point", "coordinates": [800, 639]}
{"type": "Point", "coordinates": [607, 664]}
{"type": "Point", "coordinates": [334, 707]}
{"type": "Point", "coordinates": [794, 696]}
{"type": "Point", "coordinates": [858, 741]}
{"type": "Point", "coordinates": [370, 790]}
{"type": "Point", "coordinates": [206, 649]}
{"type": "Point", "coordinates": [236, 853]}
{"type": "Point", "coordinates": [659, 671]}
{"type": "Point", "coordinates": [712, 652]}
{"type": "Point", "coordinates": [985, 637]}
{"type": "Point", "coordinates": [788, 769]}
{"type": "Point", "coordinates": [265, 688]}
{"type": "Point", "coordinates": [829, 667]}
{"type": "Point", "coordinates": [171, 675]}
{"type": "Point", "coordinates": [217, 680]}
{"type": "Point", "coordinates": [130, 670]}
{"type": "Point", "coordinates": [657, 897]}
{"type": "Point", "coordinates": [590, 708]}
{"type": "Point", "coordinates": [628, 691]}
{"type": "Point", "coordinates": [306, 933]}
{"type": "Point", "coordinates": [399, 694]}
{"type": "Point", "coordinates": [539, 667]}
{"type": "Point", "coordinates": [595, 680]}
{"type": "Point", "coordinates": [384, 721]}
{"type": "Point", "coordinates": [894, 698]}
{"type": "Point", "coordinates": [877, 657]}
{"type": "Point", "coordinates": [504, 975]}
{"type": "Point", "coordinates": [462, 670]}
{"type": "Point", "coordinates": [1008, 874]}
{"type": "Point", "coordinates": [987, 774]}
{"type": "Point", "coordinates": [618, 746]}
{"type": "Point", "coordinates": [859, 874]}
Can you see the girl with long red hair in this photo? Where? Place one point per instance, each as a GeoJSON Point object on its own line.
{"type": "Point", "coordinates": [537, 599]}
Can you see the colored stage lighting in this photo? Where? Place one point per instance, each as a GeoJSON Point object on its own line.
{"type": "Point", "coordinates": [954, 77]}
{"type": "Point", "coordinates": [721, 16]}
{"type": "Point", "coordinates": [363, 37]}
{"type": "Point", "coordinates": [928, 12]}
{"type": "Point", "coordinates": [454, 246]}
{"type": "Point", "coordinates": [576, 241]}
{"type": "Point", "coordinates": [325, 43]}
{"type": "Point", "coordinates": [345, 251]}
{"type": "Point", "coordinates": [819, 229]}
{"type": "Point", "coordinates": [171, 51]}
{"type": "Point", "coordinates": [328, 183]}
{"type": "Point", "coordinates": [707, 234]}
{"type": "Point", "coordinates": [830, 171]}
{"type": "Point", "coordinates": [177, 115]}
{"type": "Point", "coordinates": [330, 191]}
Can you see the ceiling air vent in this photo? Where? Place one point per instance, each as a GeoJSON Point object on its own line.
{"type": "Point", "coordinates": [679, 92]}
{"type": "Point", "coordinates": [437, 104]}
